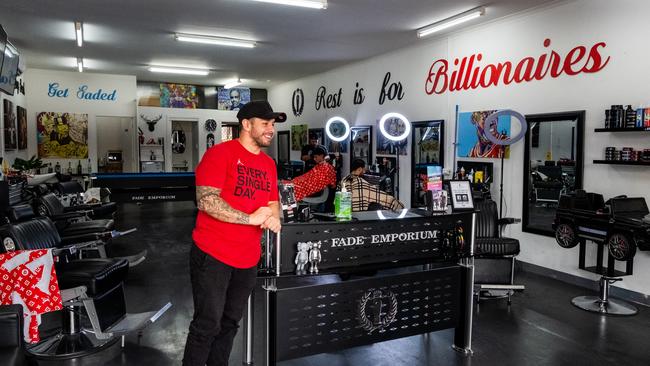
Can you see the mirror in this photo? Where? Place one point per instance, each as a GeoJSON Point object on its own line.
{"type": "Point", "coordinates": [283, 147]}
{"type": "Point", "coordinates": [553, 161]}
{"type": "Point", "coordinates": [426, 150]}
{"type": "Point", "coordinates": [361, 144]}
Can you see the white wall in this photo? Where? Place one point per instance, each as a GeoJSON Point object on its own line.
{"type": "Point", "coordinates": [17, 100]}
{"type": "Point", "coordinates": [164, 127]}
{"type": "Point", "coordinates": [624, 80]}
{"type": "Point", "coordinates": [37, 85]}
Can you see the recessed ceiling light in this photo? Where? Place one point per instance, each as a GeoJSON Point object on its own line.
{"type": "Point", "coordinates": [179, 70]}
{"type": "Point", "coordinates": [80, 64]}
{"type": "Point", "coordinates": [220, 41]}
{"type": "Point", "coordinates": [232, 84]}
{"type": "Point", "coordinates": [314, 4]}
{"type": "Point", "coordinates": [451, 21]}
{"type": "Point", "coordinates": [79, 33]}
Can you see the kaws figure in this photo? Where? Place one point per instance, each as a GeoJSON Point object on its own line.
{"type": "Point", "coordinates": [314, 257]}
{"type": "Point", "coordinates": [302, 257]}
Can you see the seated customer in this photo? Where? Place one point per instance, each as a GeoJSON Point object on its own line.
{"type": "Point", "coordinates": [364, 194]}
{"type": "Point", "coordinates": [321, 176]}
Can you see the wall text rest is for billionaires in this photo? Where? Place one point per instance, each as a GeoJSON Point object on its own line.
{"type": "Point", "coordinates": [467, 74]}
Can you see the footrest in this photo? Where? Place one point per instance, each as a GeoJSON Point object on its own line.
{"type": "Point", "coordinates": [502, 287]}
{"type": "Point", "coordinates": [135, 322]}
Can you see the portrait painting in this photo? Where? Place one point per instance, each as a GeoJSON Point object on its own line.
{"type": "Point", "coordinates": [9, 125]}
{"type": "Point", "coordinates": [21, 113]}
{"type": "Point", "coordinates": [232, 99]}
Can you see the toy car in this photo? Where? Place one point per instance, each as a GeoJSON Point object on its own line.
{"type": "Point", "coordinates": [622, 223]}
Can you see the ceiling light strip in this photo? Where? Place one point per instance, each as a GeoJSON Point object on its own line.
{"type": "Point", "coordinates": [80, 64]}
{"type": "Point", "coordinates": [220, 41]}
{"type": "Point", "coordinates": [232, 84]}
{"type": "Point", "coordinates": [313, 4]}
{"type": "Point", "coordinates": [79, 33]}
{"type": "Point", "coordinates": [179, 70]}
{"type": "Point", "coordinates": [450, 22]}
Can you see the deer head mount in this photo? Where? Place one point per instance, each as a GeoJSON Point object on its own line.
{"type": "Point", "coordinates": [151, 121]}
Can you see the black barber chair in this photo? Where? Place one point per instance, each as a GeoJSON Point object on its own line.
{"type": "Point", "coordinates": [94, 284]}
{"type": "Point", "coordinates": [74, 224]}
{"type": "Point", "coordinates": [94, 242]}
{"type": "Point", "coordinates": [11, 335]}
{"type": "Point", "coordinates": [495, 255]}
{"type": "Point", "coordinates": [95, 211]}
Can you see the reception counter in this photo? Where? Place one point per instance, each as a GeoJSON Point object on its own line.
{"type": "Point", "coordinates": [381, 276]}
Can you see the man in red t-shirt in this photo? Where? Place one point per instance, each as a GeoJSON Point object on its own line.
{"type": "Point", "coordinates": [237, 197]}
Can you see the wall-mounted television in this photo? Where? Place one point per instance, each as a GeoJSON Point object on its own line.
{"type": "Point", "coordinates": [9, 69]}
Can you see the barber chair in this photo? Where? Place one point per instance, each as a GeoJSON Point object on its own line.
{"type": "Point", "coordinates": [73, 191]}
{"type": "Point", "coordinates": [96, 285]}
{"type": "Point", "coordinates": [495, 255]}
{"type": "Point", "coordinates": [321, 201]}
{"type": "Point", "coordinates": [11, 335]}
{"type": "Point", "coordinates": [70, 223]}
{"type": "Point", "coordinates": [94, 242]}
{"type": "Point", "coordinates": [548, 185]}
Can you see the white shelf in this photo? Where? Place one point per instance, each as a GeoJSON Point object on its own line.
{"type": "Point", "coordinates": [151, 145]}
{"type": "Point", "coordinates": [157, 160]}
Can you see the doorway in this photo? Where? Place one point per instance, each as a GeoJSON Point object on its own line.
{"type": "Point", "coordinates": [116, 140]}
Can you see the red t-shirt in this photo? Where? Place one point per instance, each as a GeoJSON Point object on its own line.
{"type": "Point", "coordinates": [247, 182]}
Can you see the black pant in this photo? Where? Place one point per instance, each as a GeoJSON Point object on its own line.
{"type": "Point", "coordinates": [220, 293]}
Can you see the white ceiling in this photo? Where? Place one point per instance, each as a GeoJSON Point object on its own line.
{"type": "Point", "coordinates": [125, 36]}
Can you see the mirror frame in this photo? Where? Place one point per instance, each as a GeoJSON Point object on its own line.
{"type": "Point", "coordinates": [441, 158]}
{"type": "Point", "coordinates": [579, 117]}
{"type": "Point", "coordinates": [288, 150]}
{"type": "Point", "coordinates": [369, 159]}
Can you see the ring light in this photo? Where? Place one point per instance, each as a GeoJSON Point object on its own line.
{"type": "Point", "coordinates": [382, 126]}
{"type": "Point", "coordinates": [492, 121]}
{"type": "Point", "coordinates": [328, 125]}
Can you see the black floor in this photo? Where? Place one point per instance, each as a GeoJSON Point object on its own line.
{"type": "Point", "coordinates": [541, 327]}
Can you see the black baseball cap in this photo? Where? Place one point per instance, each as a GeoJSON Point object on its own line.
{"type": "Point", "coordinates": [319, 150]}
{"type": "Point", "coordinates": [260, 109]}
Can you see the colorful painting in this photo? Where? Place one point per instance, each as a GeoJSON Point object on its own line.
{"type": "Point", "coordinates": [9, 125]}
{"type": "Point", "coordinates": [62, 135]}
{"type": "Point", "coordinates": [394, 127]}
{"type": "Point", "coordinates": [472, 142]}
{"type": "Point", "coordinates": [22, 127]}
{"type": "Point", "coordinates": [178, 96]}
{"type": "Point", "coordinates": [298, 137]}
{"type": "Point", "coordinates": [232, 99]}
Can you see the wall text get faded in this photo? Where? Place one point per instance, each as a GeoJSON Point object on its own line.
{"type": "Point", "coordinates": [55, 90]}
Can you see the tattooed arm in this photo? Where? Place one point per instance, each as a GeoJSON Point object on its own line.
{"type": "Point", "coordinates": [209, 201]}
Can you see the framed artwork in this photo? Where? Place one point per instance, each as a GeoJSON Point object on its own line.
{"type": "Point", "coordinates": [232, 99]}
{"type": "Point", "coordinates": [9, 125]}
{"type": "Point", "coordinates": [385, 146]}
{"type": "Point", "coordinates": [62, 135]}
{"type": "Point", "coordinates": [298, 137]}
{"type": "Point", "coordinates": [472, 142]}
{"type": "Point", "coordinates": [178, 96]}
{"type": "Point", "coordinates": [21, 113]}
{"type": "Point", "coordinates": [461, 195]}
